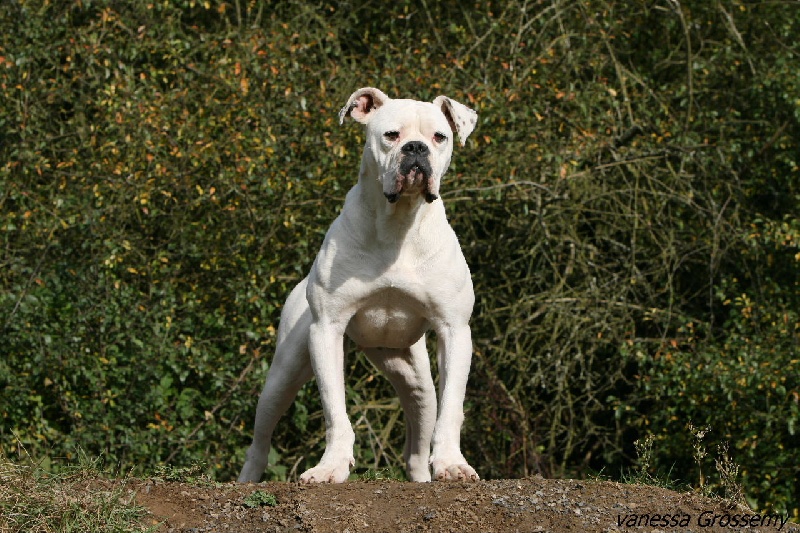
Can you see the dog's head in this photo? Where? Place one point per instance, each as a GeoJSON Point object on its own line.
{"type": "Point", "coordinates": [411, 142]}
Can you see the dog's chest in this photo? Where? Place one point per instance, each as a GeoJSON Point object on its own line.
{"type": "Point", "coordinates": [392, 316]}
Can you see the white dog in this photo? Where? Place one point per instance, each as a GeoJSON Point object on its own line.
{"type": "Point", "coordinates": [390, 268]}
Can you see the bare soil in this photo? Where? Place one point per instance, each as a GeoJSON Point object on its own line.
{"type": "Point", "coordinates": [525, 505]}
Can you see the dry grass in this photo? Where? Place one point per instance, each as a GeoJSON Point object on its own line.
{"type": "Point", "coordinates": [34, 501]}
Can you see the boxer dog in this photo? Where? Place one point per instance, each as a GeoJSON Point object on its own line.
{"type": "Point", "coordinates": [390, 269]}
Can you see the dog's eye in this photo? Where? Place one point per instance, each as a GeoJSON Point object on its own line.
{"type": "Point", "coordinates": [392, 135]}
{"type": "Point", "coordinates": [439, 137]}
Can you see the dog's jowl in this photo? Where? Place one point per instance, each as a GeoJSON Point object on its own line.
{"type": "Point", "coordinates": [390, 269]}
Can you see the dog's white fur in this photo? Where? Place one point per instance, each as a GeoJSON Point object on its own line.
{"type": "Point", "coordinates": [390, 268]}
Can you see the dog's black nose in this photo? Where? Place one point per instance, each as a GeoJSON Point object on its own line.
{"type": "Point", "coordinates": [415, 148]}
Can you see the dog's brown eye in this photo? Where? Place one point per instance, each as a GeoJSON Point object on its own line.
{"type": "Point", "coordinates": [439, 137]}
{"type": "Point", "coordinates": [392, 135]}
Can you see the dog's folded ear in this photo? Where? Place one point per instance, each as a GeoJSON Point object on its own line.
{"type": "Point", "coordinates": [362, 103]}
{"type": "Point", "coordinates": [461, 118]}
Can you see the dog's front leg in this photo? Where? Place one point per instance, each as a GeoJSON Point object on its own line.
{"type": "Point", "coordinates": [327, 358]}
{"type": "Point", "coordinates": [454, 356]}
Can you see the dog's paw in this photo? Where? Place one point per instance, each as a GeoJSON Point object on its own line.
{"type": "Point", "coordinates": [419, 475]}
{"type": "Point", "coordinates": [453, 471]}
{"type": "Point", "coordinates": [328, 472]}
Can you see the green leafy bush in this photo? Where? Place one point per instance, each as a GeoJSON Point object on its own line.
{"type": "Point", "coordinates": [743, 384]}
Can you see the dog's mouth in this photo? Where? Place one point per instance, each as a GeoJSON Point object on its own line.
{"type": "Point", "coordinates": [414, 176]}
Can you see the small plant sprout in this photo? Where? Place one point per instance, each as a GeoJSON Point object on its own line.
{"type": "Point", "coordinates": [260, 498]}
{"type": "Point", "coordinates": [700, 451]}
{"type": "Point", "coordinates": [644, 454]}
{"type": "Point", "coordinates": [728, 473]}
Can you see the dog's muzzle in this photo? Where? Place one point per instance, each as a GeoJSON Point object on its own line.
{"type": "Point", "coordinates": [414, 172]}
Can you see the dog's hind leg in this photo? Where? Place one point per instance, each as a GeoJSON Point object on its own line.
{"type": "Point", "coordinates": [409, 373]}
{"type": "Point", "coordinates": [290, 370]}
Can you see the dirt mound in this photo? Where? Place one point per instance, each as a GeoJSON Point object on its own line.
{"type": "Point", "coordinates": [525, 505]}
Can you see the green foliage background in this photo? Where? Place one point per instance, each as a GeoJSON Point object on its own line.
{"type": "Point", "coordinates": [628, 205]}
